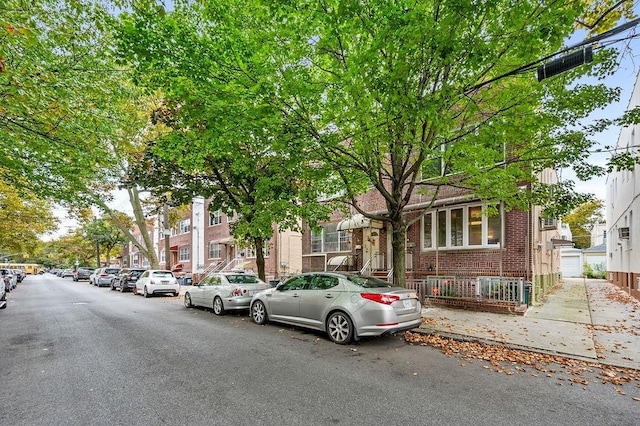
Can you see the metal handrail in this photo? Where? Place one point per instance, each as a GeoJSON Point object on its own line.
{"type": "Point", "coordinates": [366, 268]}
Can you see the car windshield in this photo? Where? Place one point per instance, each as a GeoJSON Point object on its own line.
{"type": "Point", "coordinates": [368, 282]}
{"type": "Point", "coordinates": [162, 274]}
{"type": "Point", "coordinates": [135, 273]}
{"type": "Point", "coordinates": [243, 279]}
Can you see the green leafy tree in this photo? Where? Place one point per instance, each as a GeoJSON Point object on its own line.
{"type": "Point", "coordinates": [581, 221]}
{"type": "Point", "coordinates": [401, 97]}
{"type": "Point", "coordinates": [23, 218]}
{"type": "Point", "coordinates": [71, 248]}
{"type": "Point", "coordinates": [60, 96]}
{"type": "Point", "coordinates": [237, 148]}
{"type": "Point", "coordinates": [388, 90]}
{"type": "Point", "coordinates": [104, 235]}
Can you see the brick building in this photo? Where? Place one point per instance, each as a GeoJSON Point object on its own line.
{"type": "Point", "coordinates": [454, 237]}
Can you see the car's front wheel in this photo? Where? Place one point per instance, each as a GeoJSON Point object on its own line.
{"type": "Point", "coordinates": [340, 328]}
{"type": "Point", "coordinates": [145, 293]}
{"type": "Point", "coordinates": [259, 313]}
{"type": "Point", "coordinates": [187, 301]}
{"type": "Point", "coordinates": [218, 307]}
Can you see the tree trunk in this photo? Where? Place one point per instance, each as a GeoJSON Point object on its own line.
{"type": "Point", "coordinates": [97, 255]}
{"type": "Point", "coordinates": [398, 245]}
{"type": "Point", "coordinates": [259, 245]}
{"type": "Point", "coordinates": [146, 248]}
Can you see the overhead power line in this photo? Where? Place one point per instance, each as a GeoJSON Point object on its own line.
{"type": "Point", "coordinates": [534, 64]}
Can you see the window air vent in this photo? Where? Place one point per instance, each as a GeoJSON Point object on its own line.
{"type": "Point", "coordinates": [623, 233]}
{"type": "Point", "coordinates": [548, 224]}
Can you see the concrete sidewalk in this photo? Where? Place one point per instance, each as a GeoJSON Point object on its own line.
{"type": "Point", "coordinates": [591, 320]}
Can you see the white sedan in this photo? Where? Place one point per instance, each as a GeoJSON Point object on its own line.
{"type": "Point", "coordinates": [156, 281]}
{"type": "Point", "coordinates": [224, 291]}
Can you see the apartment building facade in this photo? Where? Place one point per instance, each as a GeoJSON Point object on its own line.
{"type": "Point", "coordinates": [622, 212]}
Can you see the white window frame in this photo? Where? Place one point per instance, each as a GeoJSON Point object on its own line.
{"type": "Point", "coordinates": [215, 250]}
{"type": "Point", "coordinates": [184, 254]}
{"type": "Point", "coordinates": [184, 226]}
{"type": "Point", "coordinates": [215, 218]}
{"type": "Point", "coordinates": [465, 229]}
{"type": "Point", "coordinates": [250, 252]}
{"type": "Point", "coordinates": [344, 243]}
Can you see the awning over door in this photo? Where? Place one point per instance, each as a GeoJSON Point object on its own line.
{"type": "Point", "coordinates": [340, 260]}
{"type": "Point", "coordinates": [354, 222]}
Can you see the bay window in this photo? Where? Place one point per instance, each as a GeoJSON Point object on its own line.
{"type": "Point", "coordinates": [461, 227]}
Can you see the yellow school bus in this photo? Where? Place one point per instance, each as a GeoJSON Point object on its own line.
{"type": "Point", "coordinates": [28, 268]}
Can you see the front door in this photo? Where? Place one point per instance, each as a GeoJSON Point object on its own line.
{"type": "Point", "coordinates": [371, 248]}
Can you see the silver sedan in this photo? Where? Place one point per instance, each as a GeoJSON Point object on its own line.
{"type": "Point", "coordinates": [224, 291]}
{"type": "Point", "coordinates": [345, 306]}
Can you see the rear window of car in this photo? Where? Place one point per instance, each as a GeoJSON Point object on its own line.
{"type": "Point", "coordinates": [162, 274]}
{"type": "Point", "coordinates": [85, 270]}
{"type": "Point", "coordinates": [243, 279]}
{"type": "Point", "coordinates": [136, 273]}
{"type": "Point", "coordinates": [368, 282]}
{"type": "Point", "coordinates": [111, 270]}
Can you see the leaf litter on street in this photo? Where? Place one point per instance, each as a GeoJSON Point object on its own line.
{"type": "Point", "coordinates": [510, 361]}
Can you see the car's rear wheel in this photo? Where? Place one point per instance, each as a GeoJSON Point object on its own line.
{"type": "Point", "coordinates": [218, 307]}
{"type": "Point", "coordinates": [145, 293]}
{"type": "Point", "coordinates": [259, 313]}
{"type": "Point", "coordinates": [340, 328]}
{"type": "Point", "coordinates": [187, 301]}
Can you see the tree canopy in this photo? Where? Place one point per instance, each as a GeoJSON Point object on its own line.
{"type": "Point", "coordinates": [581, 221]}
{"type": "Point", "coordinates": [401, 97]}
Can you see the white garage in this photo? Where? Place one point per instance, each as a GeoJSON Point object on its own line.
{"type": "Point", "coordinates": [571, 262]}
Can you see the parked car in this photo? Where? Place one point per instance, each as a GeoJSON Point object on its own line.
{"type": "Point", "coordinates": [67, 273]}
{"type": "Point", "coordinates": [126, 279]}
{"type": "Point", "coordinates": [156, 281]}
{"type": "Point", "coordinates": [9, 278]}
{"type": "Point", "coordinates": [3, 295]}
{"type": "Point", "coordinates": [224, 291]}
{"type": "Point", "coordinates": [20, 274]}
{"type": "Point", "coordinates": [345, 306]}
{"type": "Point", "coordinates": [185, 280]}
{"type": "Point", "coordinates": [93, 275]}
{"type": "Point", "coordinates": [104, 277]}
{"type": "Point", "coordinates": [82, 274]}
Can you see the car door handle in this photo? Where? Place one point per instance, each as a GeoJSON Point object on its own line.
{"type": "Point", "coordinates": [328, 296]}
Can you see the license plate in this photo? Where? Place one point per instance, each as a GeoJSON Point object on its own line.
{"type": "Point", "coordinates": [407, 303]}
{"type": "Point", "coordinates": [164, 282]}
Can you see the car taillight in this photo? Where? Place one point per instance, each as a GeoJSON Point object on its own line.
{"type": "Point", "coordinates": [104, 275]}
{"type": "Point", "coordinates": [383, 298]}
{"type": "Point", "coordinates": [239, 292]}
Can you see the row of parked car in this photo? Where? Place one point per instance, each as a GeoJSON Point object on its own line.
{"type": "Point", "coordinates": [9, 280]}
{"type": "Point", "coordinates": [346, 306]}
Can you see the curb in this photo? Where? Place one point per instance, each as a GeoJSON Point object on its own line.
{"type": "Point", "coordinates": [491, 342]}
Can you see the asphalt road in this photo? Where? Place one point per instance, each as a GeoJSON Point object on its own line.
{"type": "Point", "coordinates": [74, 354]}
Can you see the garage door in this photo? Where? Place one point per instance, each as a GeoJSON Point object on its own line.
{"type": "Point", "coordinates": [571, 266]}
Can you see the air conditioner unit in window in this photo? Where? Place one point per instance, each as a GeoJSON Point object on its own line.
{"type": "Point", "coordinates": [547, 224]}
{"type": "Point", "coordinates": [623, 233]}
